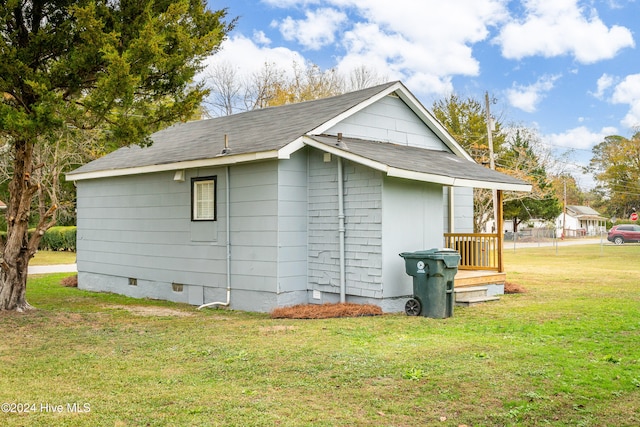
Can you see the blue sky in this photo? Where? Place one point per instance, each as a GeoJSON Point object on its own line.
{"type": "Point", "coordinates": [569, 69]}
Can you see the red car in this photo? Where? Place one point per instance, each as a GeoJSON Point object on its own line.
{"type": "Point", "coordinates": [620, 234]}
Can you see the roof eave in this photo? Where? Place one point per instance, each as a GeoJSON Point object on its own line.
{"type": "Point", "coordinates": [222, 160]}
{"type": "Point", "coordinates": [415, 175]}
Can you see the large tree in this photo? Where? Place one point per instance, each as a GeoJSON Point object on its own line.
{"type": "Point", "coordinates": [519, 158]}
{"type": "Point", "coordinates": [517, 152]}
{"type": "Point", "coordinates": [466, 121]}
{"type": "Point", "coordinates": [122, 68]}
{"type": "Point", "coordinates": [616, 167]}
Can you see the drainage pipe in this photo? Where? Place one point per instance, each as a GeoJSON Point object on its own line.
{"type": "Point", "coordinates": [341, 231]}
{"type": "Point", "coordinates": [228, 231]}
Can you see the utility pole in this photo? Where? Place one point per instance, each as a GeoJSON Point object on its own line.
{"type": "Point", "coordinates": [492, 163]}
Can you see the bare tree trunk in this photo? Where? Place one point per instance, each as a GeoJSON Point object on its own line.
{"type": "Point", "coordinates": [19, 247]}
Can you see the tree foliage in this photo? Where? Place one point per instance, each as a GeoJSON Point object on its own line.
{"type": "Point", "coordinates": [121, 68]}
{"type": "Point", "coordinates": [520, 159]}
{"type": "Point", "coordinates": [517, 152]}
{"type": "Point", "coordinates": [466, 121]}
{"type": "Point", "coordinates": [616, 168]}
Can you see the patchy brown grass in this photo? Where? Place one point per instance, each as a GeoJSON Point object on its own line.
{"type": "Point", "coordinates": [141, 310]}
{"type": "Point", "coordinates": [326, 311]}
{"type": "Point", "coordinates": [70, 281]}
{"type": "Point", "coordinates": [513, 288]}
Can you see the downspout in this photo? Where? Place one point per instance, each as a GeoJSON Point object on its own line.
{"type": "Point", "coordinates": [228, 231]}
{"type": "Point", "coordinates": [341, 231]}
{"type": "Point", "coordinates": [452, 210]}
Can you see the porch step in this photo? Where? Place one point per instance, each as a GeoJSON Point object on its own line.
{"type": "Point", "coordinates": [472, 295]}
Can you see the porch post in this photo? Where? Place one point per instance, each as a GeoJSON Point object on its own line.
{"type": "Point", "coordinates": [499, 228]}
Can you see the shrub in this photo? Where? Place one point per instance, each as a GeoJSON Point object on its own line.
{"type": "Point", "coordinates": [59, 239]}
{"type": "Point", "coordinates": [54, 239]}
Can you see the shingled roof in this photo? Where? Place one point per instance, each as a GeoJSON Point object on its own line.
{"type": "Point", "coordinates": [417, 163]}
{"type": "Point", "coordinates": [584, 212]}
{"type": "Point", "coordinates": [276, 132]}
{"type": "Point", "coordinates": [256, 131]}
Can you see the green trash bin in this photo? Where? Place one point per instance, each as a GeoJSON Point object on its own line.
{"type": "Point", "coordinates": [433, 273]}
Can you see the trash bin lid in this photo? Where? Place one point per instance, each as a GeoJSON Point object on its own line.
{"type": "Point", "coordinates": [450, 257]}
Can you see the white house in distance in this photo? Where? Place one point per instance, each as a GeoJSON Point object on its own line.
{"type": "Point", "coordinates": [579, 221]}
{"type": "Point", "coordinates": [303, 203]}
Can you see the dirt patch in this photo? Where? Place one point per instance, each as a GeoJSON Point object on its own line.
{"type": "Point", "coordinates": [70, 281]}
{"type": "Point", "coordinates": [326, 311]}
{"type": "Point", "coordinates": [139, 310]}
{"type": "Point", "coordinates": [276, 329]}
{"type": "Point", "coordinates": [513, 288]}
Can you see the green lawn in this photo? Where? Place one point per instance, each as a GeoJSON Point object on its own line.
{"type": "Point", "coordinates": [53, 257]}
{"type": "Point", "coordinates": [566, 353]}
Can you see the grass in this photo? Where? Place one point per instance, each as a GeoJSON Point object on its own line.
{"type": "Point", "coordinates": [53, 257]}
{"type": "Point", "coordinates": [564, 353]}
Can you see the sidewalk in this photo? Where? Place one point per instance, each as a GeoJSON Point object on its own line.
{"type": "Point", "coordinates": [46, 269]}
{"type": "Point", "coordinates": [567, 242]}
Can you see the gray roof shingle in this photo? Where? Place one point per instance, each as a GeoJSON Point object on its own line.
{"type": "Point", "coordinates": [254, 131]}
{"type": "Point", "coordinates": [432, 162]}
{"type": "Point", "coordinates": [270, 129]}
{"type": "Point", "coordinates": [584, 212]}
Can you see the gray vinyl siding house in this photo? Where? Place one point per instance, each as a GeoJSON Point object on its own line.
{"type": "Point", "coordinates": [312, 203]}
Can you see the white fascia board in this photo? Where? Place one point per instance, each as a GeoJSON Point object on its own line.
{"type": "Point", "coordinates": [456, 182]}
{"type": "Point", "coordinates": [420, 176]}
{"type": "Point", "coordinates": [221, 160]}
{"type": "Point", "coordinates": [414, 175]}
{"type": "Point", "coordinates": [337, 119]}
{"type": "Point", "coordinates": [286, 151]}
{"type": "Point", "coordinates": [346, 155]}
{"type": "Point", "coordinates": [490, 185]}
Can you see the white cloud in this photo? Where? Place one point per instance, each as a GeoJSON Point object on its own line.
{"type": "Point", "coordinates": [583, 140]}
{"type": "Point", "coordinates": [248, 58]}
{"type": "Point", "coordinates": [628, 92]}
{"type": "Point", "coordinates": [604, 82]}
{"type": "Point", "coordinates": [579, 138]}
{"type": "Point", "coordinates": [316, 30]}
{"type": "Point", "coordinates": [290, 3]}
{"type": "Point", "coordinates": [425, 42]}
{"type": "Point", "coordinates": [528, 97]}
{"type": "Point", "coordinates": [259, 37]}
{"type": "Point", "coordinates": [560, 27]}
{"type": "Point", "coordinates": [424, 47]}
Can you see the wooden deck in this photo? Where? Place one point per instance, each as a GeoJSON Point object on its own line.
{"type": "Point", "coordinates": [478, 278]}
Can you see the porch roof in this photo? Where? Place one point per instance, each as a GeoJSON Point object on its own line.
{"type": "Point", "coordinates": [416, 163]}
{"type": "Point", "coordinates": [585, 213]}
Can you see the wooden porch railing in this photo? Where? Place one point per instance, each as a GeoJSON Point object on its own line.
{"type": "Point", "coordinates": [478, 251]}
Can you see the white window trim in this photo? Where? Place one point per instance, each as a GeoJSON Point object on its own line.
{"type": "Point", "coordinates": [196, 185]}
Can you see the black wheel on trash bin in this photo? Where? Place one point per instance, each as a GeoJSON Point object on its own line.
{"type": "Point", "coordinates": [413, 307]}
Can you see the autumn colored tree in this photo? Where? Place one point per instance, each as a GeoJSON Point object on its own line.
{"type": "Point", "coordinates": [273, 85]}
{"type": "Point", "coordinates": [616, 168]}
{"type": "Point", "coordinates": [122, 68]}
{"type": "Point", "coordinates": [517, 152]}
{"type": "Point", "coordinates": [519, 158]}
{"type": "Point", "coordinates": [566, 184]}
{"type": "Point", "coordinates": [466, 121]}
